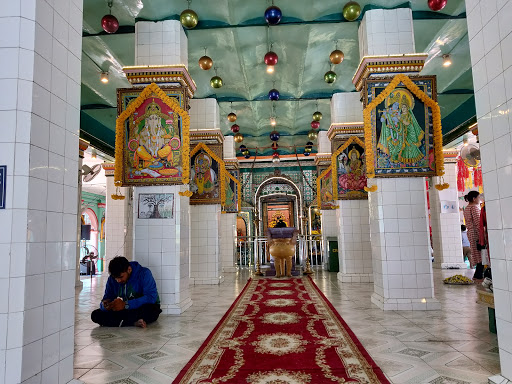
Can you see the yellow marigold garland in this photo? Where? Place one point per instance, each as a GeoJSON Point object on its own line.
{"type": "Point", "coordinates": [186, 193]}
{"type": "Point", "coordinates": [373, 188]}
{"type": "Point", "coordinates": [319, 186]}
{"type": "Point", "coordinates": [222, 168]}
{"type": "Point", "coordinates": [334, 158]}
{"type": "Point", "coordinates": [120, 131]}
{"type": "Point", "coordinates": [436, 117]}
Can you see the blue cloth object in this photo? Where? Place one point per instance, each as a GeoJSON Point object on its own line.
{"type": "Point", "coordinates": [281, 233]}
{"type": "Point", "coordinates": [140, 288]}
{"type": "Point", "coordinates": [465, 240]}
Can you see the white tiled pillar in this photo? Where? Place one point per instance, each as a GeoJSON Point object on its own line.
{"type": "Point", "coordinates": [329, 227]}
{"type": "Point", "coordinates": [399, 236]}
{"type": "Point", "coordinates": [346, 108]}
{"type": "Point", "coordinates": [490, 42]}
{"type": "Point", "coordinates": [446, 234]}
{"type": "Point", "coordinates": [118, 223]}
{"type": "Point", "coordinates": [229, 150]}
{"type": "Point", "coordinates": [354, 247]}
{"type": "Point", "coordinates": [160, 43]}
{"type": "Point", "coordinates": [324, 144]}
{"type": "Point", "coordinates": [205, 264]}
{"type": "Point", "coordinates": [40, 54]}
{"type": "Point", "coordinates": [386, 32]}
{"type": "Point", "coordinates": [204, 114]}
{"type": "Point", "coordinates": [163, 245]}
{"type": "Point", "coordinates": [228, 241]}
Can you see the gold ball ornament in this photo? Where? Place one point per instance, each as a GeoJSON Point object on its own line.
{"type": "Point", "coordinates": [232, 117]}
{"type": "Point", "coordinates": [317, 116]}
{"type": "Point", "coordinates": [189, 18]}
{"type": "Point", "coordinates": [312, 135]}
{"type": "Point", "coordinates": [205, 63]}
{"type": "Point", "coordinates": [238, 138]}
{"type": "Point", "coordinates": [351, 11]}
{"type": "Point", "coordinates": [336, 56]}
{"type": "Point", "coordinates": [216, 82]}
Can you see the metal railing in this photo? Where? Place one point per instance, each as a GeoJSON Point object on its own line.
{"type": "Point", "coordinates": [250, 249]}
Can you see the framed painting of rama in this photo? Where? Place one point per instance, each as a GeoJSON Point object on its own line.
{"type": "Point", "coordinates": [324, 190]}
{"type": "Point", "coordinates": [152, 137]}
{"type": "Point", "coordinates": [207, 176]}
{"type": "Point", "coordinates": [402, 126]}
{"type": "Point", "coordinates": [349, 170]}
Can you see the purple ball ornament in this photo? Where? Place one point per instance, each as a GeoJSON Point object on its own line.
{"type": "Point", "coordinates": [306, 153]}
{"type": "Point", "coordinates": [248, 156]}
{"type": "Point", "coordinates": [273, 15]}
{"type": "Point", "coordinates": [109, 23]}
{"type": "Point", "coordinates": [235, 128]}
{"type": "Point", "coordinates": [242, 148]}
{"type": "Point", "coordinates": [274, 136]}
{"type": "Point", "coordinates": [315, 124]}
{"type": "Point", "coordinates": [273, 94]}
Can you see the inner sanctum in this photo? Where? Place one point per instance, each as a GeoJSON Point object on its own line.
{"type": "Point", "coordinates": [256, 192]}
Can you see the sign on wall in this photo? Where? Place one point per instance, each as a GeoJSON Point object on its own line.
{"type": "Point", "coordinates": [156, 206]}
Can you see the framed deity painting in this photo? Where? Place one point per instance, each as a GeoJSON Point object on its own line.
{"type": "Point", "coordinates": [400, 126]}
{"type": "Point", "coordinates": [152, 137]}
{"type": "Point", "coordinates": [206, 173]}
{"type": "Point", "coordinates": [233, 202]}
{"type": "Point", "coordinates": [349, 170]}
{"type": "Point", "coordinates": [324, 190]}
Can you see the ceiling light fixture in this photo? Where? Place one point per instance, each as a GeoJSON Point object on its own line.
{"type": "Point", "coordinates": [270, 69]}
{"type": "Point", "coordinates": [104, 77]}
{"type": "Point", "coordinates": [273, 121]}
{"type": "Point", "coordinates": [447, 60]}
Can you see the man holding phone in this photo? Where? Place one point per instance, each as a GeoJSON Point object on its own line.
{"type": "Point", "coordinates": [131, 297]}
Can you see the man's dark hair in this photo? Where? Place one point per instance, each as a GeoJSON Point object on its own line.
{"type": "Point", "coordinates": [118, 265]}
{"type": "Point", "coordinates": [462, 227]}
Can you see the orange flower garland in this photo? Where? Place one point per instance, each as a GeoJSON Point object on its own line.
{"type": "Point", "coordinates": [120, 131]}
{"type": "Point", "coordinates": [334, 167]}
{"type": "Point", "coordinates": [373, 188]}
{"type": "Point", "coordinates": [436, 116]}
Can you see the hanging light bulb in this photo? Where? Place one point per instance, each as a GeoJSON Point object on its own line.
{"type": "Point", "coordinates": [275, 157]}
{"type": "Point", "coordinates": [104, 77]}
{"type": "Point", "coordinates": [273, 121]}
{"type": "Point", "coordinates": [270, 69]}
{"type": "Point", "coordinates": [447, 60]}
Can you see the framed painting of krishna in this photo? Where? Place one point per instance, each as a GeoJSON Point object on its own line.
{"type": "Point", "coordinates": [401, 120]}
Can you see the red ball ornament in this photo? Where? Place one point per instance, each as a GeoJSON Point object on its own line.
{"type": "Point", "coordinates": [110, 24]}
{"type": "Point", "coordinates": [275, 145]}
{"type": "Point", "coordinates": [437, 5]}
{"type": "Point", "coordinates": [271, 58]}
{"type": "Point", "coordinates": [235, 128]}
{"type": "Point", "coordinates": [315, 124]}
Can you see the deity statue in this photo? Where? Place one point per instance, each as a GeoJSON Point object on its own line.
{"type": "Point", "coordinates": [401, 136]}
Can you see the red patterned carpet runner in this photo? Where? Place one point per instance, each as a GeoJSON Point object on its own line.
{"type": "Point", "coordinates": [281, 332]}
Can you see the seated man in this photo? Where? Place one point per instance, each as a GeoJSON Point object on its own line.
{"type": "Point", "coordinates": [131, 297]}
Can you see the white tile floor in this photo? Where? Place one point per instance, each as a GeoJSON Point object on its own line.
{"type": "Point", "coordinates": [449, 346]}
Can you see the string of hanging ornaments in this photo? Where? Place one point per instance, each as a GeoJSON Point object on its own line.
{"type": "Point", "coordinates": [336, 57]}
{"type": "Point", "coordinates": [188, 17]}
{"type": "Point", "coordinates": [109, 22]}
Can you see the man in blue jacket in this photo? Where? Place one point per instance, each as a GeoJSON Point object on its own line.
{"type": "Point", "coordinates": [131, 297]}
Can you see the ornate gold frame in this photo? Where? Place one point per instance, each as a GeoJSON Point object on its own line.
{"type": "Point", "coordinates": [239, 192]}
{"type": "Point", "coordinates": [319, 186]}
{"type": "Point", "coordinates": [334, 157]}
{"type": "Point", "coordinates": [222, 168]}
{"type": "Point", "coordinates": [120, 134]}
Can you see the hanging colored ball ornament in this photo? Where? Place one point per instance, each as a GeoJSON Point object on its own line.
{"type": "Point", "coordinates": [275, 145]}
{"type": "Point", "coordinates": [232, 117]}
{"type": "Point", "coordinates": [189, 19]}
{"type": "Point", "coordinates": [336, 56]}
{"type": "Point", "coordinates": [110, 24]}
{"type": "Point", "coordinates": [271, 58]}
{"type": "Point", "coordinates": [351, 11]}
{"type": "Point", "coordinates": [275, 157]}
{"type": "Point", "coordinates": [315, 124]}
{"type": "Point", "coordinates": [248, 156]}
{"type": "Point", "coordinates": [437, 5]}
{"type": "Point", "coordinates": [205, 63]}
{"type": "Point", "coordinates": [274, 135]}
{"type": "Point", "coordinates": [330, 77]}
{"type": "Point", "coordinates": [216, 82]}
{"type": "Point", "coordinates": [307, 150]}
{"type": "Point", "coordinates": [312, 135]}
{"type": "Point", "coordinates": [242, 148]}
{"type": "Point", "coordinates": [245, 152]}
{"type": "Point", "coordinates": [235, 128]}
{"type": "Point", "coordinates": [238, 138]}
{"type": "Point", "coordinates": [317, 116]}
{"type": "Point", "coordinates": [273, 94]}
{"type": "Point", "coordinates": [306, 153]}
{"type": "Point", "coordinates": [273, 15]}
{"type": "Point", "coordinates": [309, 144]}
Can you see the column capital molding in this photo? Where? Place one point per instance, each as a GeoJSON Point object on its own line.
{"type": "Point", "coordinates": [323, 159]}
{"type": "Point", "coordinates": [450, 155]}
{"type": "Point", "coordinates": [109, 169]}
{"type": "Point", "coordinates": [388, 64]}
{"type": "Point", "coordinates": [343, 130]}
{"type": "Point", "coordinates": [207, 136]}
{"type": "Point", "coordinates": [147, 74]}
{"type": "Point", "coordinates": [82, 146]}
{"type": "Point", "coordinates": [232, 164]}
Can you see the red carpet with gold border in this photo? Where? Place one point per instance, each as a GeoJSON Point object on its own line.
{"type": "Point", "coordinates": [281, 331]}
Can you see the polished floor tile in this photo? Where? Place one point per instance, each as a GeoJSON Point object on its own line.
{"type": "Point", "coordinates": [450, 346]}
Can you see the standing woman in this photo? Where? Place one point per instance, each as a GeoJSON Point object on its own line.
{"type": "Point", "coordinates": [472, 218]}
